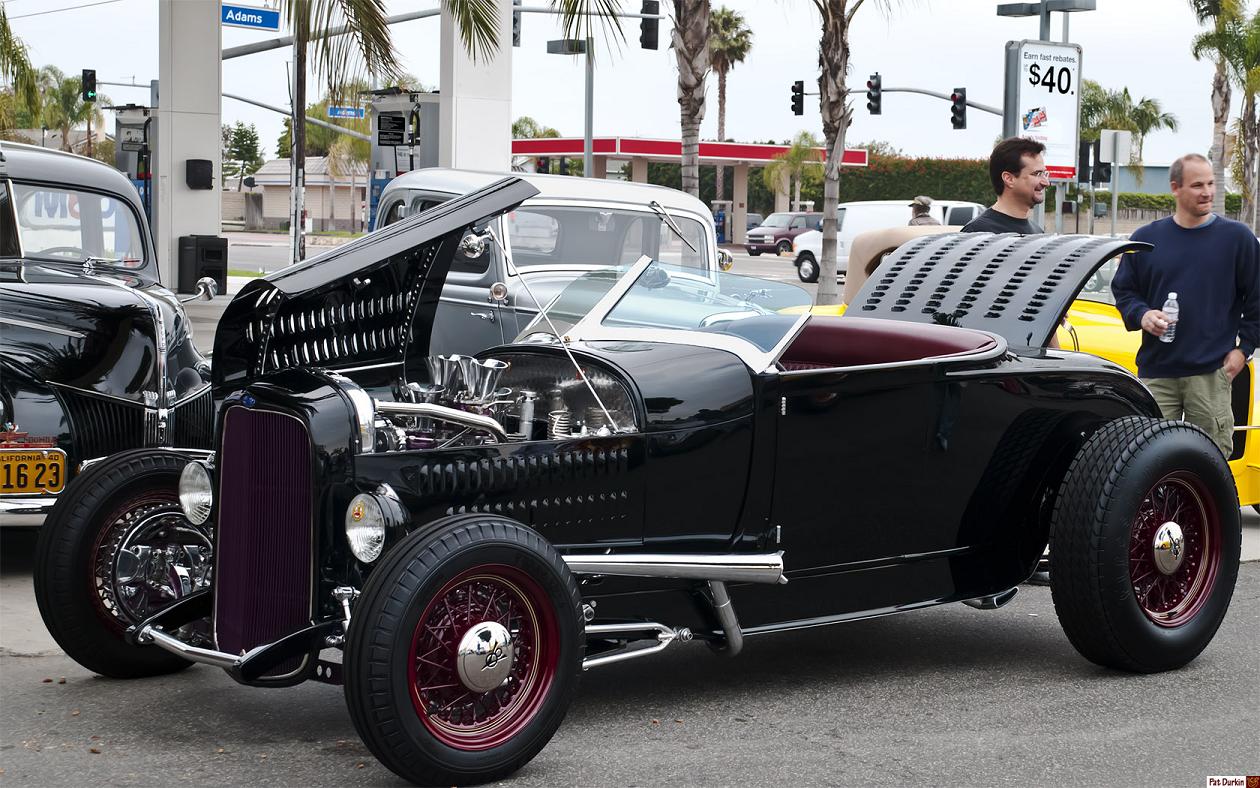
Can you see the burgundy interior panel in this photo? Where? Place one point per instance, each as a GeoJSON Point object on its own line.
{"type": "Point", "coordinates": [827, 342]}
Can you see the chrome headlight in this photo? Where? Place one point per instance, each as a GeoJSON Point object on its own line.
{"type": "Point", "coordinates": [196, 492]}
{"type": "Point", "coordinates": [364, 413]}
{"type": "Point", "coordinates": [365, 527]}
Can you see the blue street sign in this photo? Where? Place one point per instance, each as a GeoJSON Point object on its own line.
{"type": "Point", "coordinates": [251, 17]}
{"type": "Point", "coordinates": [345, 112]}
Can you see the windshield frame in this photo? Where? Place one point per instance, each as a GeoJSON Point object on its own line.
{"type": "Point", "coordinates": [591, 328]}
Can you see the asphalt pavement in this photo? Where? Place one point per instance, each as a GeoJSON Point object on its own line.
{"type": "Point", "coordinates": [946, 696]}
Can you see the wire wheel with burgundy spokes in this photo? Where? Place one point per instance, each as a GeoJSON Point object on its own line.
{"type": "Point", "coordinates": [464, 650]}
{"type": "Point", "coordinates": [474, 684]}
{"type": "Point", "coordinates": [1146, 536]}
{"type": "Point", "coordinates": [1174, 550]}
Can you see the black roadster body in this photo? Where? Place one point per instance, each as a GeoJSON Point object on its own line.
{"type": "Point", "coordinates": [664, 454]}
{"type": "Point", "coordinates": [96, 356]}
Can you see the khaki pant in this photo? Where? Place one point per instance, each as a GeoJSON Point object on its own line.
{"type": "Point", "coordinates": [1202, 400]}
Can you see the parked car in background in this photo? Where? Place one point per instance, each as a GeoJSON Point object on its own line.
{"type": "Point", "coordinates": [571, 226]}
{"type": "Point", "coordinates": [853, 218]}
{"type": "Point", "coordinates": [775, 234]}
{"type": "Point", "coordinates": [643, 464]}
{"type": "Point", "coordinates": [96, 355]}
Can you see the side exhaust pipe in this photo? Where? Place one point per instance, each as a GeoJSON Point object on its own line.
{"type": "Point", "coordinates": [722, 567]}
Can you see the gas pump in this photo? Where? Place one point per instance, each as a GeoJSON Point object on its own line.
{"type": "Point", "coordinates": [721, 212]}
{"type": "Point", "coordinates": [404, 137]}
{"type": "Point", "coordinates": [133, 155]}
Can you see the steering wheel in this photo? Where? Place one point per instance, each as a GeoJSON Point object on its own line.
{"type": "Point", "coordinates": [54, 251]}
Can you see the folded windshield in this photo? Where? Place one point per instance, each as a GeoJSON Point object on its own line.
{"type": "Point", "coordinates": [671, 297]}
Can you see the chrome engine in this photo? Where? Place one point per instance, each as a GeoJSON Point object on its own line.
{"type": "Point", "coordinates": [472, 402]}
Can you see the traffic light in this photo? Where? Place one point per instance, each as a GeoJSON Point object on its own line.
{"type": "Point", "coordinates": [1082, 161]}
{"type": "Point", "coordinates": [649, 29]}
{"type": "Point", "coordinates": [516, 23]}
{"type": "Point", "coordinates": [798, 97]}
{"type": "Point", "coordinates": [958, 108]}
{"type": "Point", "coordinates": [89, 84]}
{"type": "Point", "coordinates": [874, 94]}
{"type": "Point", "coordinates": [542, 164]}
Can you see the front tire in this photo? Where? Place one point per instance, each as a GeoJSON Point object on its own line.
{"type": "Point", "coordinates": [115, 549]}
{"type": "Point", "coordinates": [1146, 538]}
{"type": "Point", "coordinates": [783, 247]}
{"type": "Point", "coordinates": [807, 268]}
{"type": "Point", "coordinates": [464, 651]}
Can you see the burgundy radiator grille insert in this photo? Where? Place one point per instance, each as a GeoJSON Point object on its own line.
{"type": "Point", "coordinates": [263, 560]}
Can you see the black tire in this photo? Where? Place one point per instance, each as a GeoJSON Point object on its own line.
{"type": "Point", "coordinates": [807, 267]}
{"type": "Point", "coordinates": [783, 247]}
{"type": "Point", "coordinates": [399, 718]}
{"type": "Point", "coordinates": [754, 252]}
{"type": "Point", "coordinates": [1116, 605]}
{"type": "Point", "coordinates": [77, 555]}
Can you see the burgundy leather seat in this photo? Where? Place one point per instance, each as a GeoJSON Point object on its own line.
{"type": "Point", "coordinates": [827, 342]}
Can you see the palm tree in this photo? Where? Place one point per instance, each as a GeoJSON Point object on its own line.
{"type": "Point", "coordinates": [1242, 46]}
{"type": "Point", "coordinates": [798, 165]}
{"type": "Point", "coordinates": [833, 62]}
{"type": "Point", "coordinates": [1219, 13]}
{"type": "Point", "coordinates": [367, 41]}
{"type": "Point", "coordinates": [17, 71]}
{"type": "Point", "coordinates": [729, 42]}
{"type": "Point", "coordinates": [690, 41]}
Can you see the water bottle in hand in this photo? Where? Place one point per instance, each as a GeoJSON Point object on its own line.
{"type": "Point", "coordinates": [1171, 309]}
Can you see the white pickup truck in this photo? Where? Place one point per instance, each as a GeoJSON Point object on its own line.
{"type": "Point", "coordinates": [860, 216]}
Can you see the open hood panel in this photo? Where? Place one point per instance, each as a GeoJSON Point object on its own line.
{"type": "Point", "coordinates": [359, 305]}
{"type": "Point", "coordinates": [1018, 287]}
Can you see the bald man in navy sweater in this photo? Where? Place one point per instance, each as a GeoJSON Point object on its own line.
{"type": "Point", "coordinates": [1213, 265]}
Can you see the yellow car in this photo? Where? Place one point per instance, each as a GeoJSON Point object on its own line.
{"type": "Point", "coordinates": [1093, 326]}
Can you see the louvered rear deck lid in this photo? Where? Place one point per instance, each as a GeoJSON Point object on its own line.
{"type": "Point", "coordinates": [1016, 286]}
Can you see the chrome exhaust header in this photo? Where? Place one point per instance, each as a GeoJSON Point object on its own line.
{"type": "Point", "coordinates": [724, 567]}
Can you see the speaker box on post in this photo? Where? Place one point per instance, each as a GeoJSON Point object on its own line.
{"type": "Point", "coordinates": [198, 174]}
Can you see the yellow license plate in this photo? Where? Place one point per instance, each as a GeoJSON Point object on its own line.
{"type": "Point", "coordinates": [32, 471]}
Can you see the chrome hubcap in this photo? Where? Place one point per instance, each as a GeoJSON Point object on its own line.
{"type": "Point", "coordinates": [485, 656]}
{"type": "Point", "coordinates": [1169, 546]}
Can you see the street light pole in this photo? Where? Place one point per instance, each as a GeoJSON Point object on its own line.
{"type": "Point", "coordinates": [588, 157]}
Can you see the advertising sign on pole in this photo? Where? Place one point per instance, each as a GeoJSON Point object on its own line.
{"type": "Point", "coordinates": [1043, 100]}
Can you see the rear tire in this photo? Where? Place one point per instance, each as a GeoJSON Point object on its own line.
{"type": "Point", "coordinates": [102, 562]}
{"type": "Point", "coordinates": [807, 268]}
{"type": "Point", "coordinates": [411, 682]}
{"type": "Point", "coordinates": [1129, 594]}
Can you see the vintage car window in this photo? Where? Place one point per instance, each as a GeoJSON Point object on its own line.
{"type": "Point", "coordinates": [73, 226]}
{"type": "Point", "coordinates": [533, 232]}
{"type": "Point", "coordinates": [674, 297]}
{"type": "Point", "coordinates": [395, 212]}
{"type": "Point", "coordinates": [9, 246]}
{"type": "Point", "coordinates": [1098, 287]}
{"type": "Point", "coordinates": [543, 235]}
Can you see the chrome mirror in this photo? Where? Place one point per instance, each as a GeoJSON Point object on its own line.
{"type": "Point", "coordinates": [207, 289]}
{"type": "Point", "coordinates": [473, 244]}
{"type": "Point", "coordinates": [726, 260]}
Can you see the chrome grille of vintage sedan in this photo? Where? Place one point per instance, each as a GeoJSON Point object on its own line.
{"type": "Point", "coordinates": [263, 552]}
{"type": "Point", "coordinates": [102, 425]}
{"type": "Point", "coordinates": [193, 421]}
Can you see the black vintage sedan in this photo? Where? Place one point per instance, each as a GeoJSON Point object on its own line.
{"type": "Point", "coordinates": [663, 454]}
{"type": "Point", "coordinates": [95, 354]}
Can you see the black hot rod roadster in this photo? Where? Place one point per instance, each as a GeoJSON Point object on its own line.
{"type": "Point", "coordinates": [663, 454]}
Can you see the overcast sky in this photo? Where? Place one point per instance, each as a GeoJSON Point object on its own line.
{"type": "Point", "coordinates": [931, 44]}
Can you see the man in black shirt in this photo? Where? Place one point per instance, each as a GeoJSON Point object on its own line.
{"type": "Point", "coordinates": [1018, 171]}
